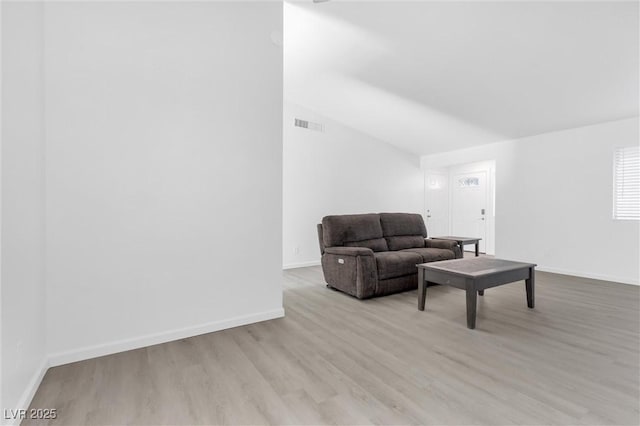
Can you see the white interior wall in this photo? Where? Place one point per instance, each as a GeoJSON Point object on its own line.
{"type": "Point", "coordinates": [164, 171]}
{"type": "Point", "coordinates": [1, 127]}
{"type": "Point", "coordinates": [22, 293]}
{"type": "Point", "coordinates": [554, 197]}
{"type": "Point", "coordinates": [339, 171]}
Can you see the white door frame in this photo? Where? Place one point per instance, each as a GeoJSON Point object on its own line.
{"type": "Point", "coordinates": [443, 178]}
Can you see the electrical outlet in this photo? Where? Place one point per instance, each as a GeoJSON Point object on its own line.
{"type": "Point", "coordinates": [296, 250]}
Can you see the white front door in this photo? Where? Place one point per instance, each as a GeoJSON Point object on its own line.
{"type": "Point", "coordinates": [469, 206]}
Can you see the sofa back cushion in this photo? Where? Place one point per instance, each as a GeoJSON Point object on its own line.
{"type": "Point", "coordinates": [354, 230]}
{"type": "Point", "coordinates": [399, 224]}
{"type": "Point", "coordinates": [403, 230]}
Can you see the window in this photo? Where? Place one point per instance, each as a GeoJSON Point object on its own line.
{"type": "Point", "coordinates": [468, 182]}
{"type": "Point", "coordinates": [626, 182]}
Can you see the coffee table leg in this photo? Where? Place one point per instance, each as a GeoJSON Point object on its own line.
{"type": "Point", "coordinates": [478, 249]}
{"type": "Point", "coordinates": [472, 298]}
{"type": "Point", "coordinates": [422, 289]}
{"type": "Point", "coordinates": [530, 284]}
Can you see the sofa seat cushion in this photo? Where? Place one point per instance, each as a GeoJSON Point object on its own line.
{"type": "Point", "coordinates": [392, 264]}
{"type": "Point", "coordinates": [431, 254]}
{"type": "Point", "coordinates": [405, 242]}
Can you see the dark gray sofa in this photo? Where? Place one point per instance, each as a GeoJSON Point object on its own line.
{"type": "Point", "coordinates": [368, 255]}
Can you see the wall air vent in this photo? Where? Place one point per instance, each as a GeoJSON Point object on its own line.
{"type": "Point", "coordinates": [309, 125]}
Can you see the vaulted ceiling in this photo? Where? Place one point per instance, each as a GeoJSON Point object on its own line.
{"type": "Point", "coordinates": [437, 76]}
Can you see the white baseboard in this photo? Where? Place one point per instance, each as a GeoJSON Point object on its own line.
{"type": "Point", "coordinates": [109, 348]}
{"type": "Point", "coordinates": [623, 280]}
{"type": "Point", "coordinates": [301, 264]}
{"type": "Point", "coordinates": [28, 394]}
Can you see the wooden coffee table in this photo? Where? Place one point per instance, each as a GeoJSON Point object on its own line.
{"type": "Point", "coordinates": [475, 275]}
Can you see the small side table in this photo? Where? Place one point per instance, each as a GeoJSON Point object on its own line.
{"type": "Point", "coordinates": [462, 241]}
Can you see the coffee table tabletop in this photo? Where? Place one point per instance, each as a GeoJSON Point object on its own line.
{"type": "Point", "coordinates": [467, 240]}
{"type": "Point", "coordinates": [462, 241]}
{"type": "Point", "coordinates": [476, 266]}
{"type": "Point", "coordinates": [474, 275]}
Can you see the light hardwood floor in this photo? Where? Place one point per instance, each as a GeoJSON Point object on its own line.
{"type": "Point", "coordinates": [334, 359]}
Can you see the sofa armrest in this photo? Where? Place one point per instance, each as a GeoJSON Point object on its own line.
{"type": "Point", "coordinates": [349, 251]}
{"type": "Point", "coordinates": [352, 270]}
{"type": "Point", "coordinates": [444, 244]}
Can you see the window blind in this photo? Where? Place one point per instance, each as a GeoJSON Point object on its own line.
{"type": "Point", "coordinates": [626, 195]}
